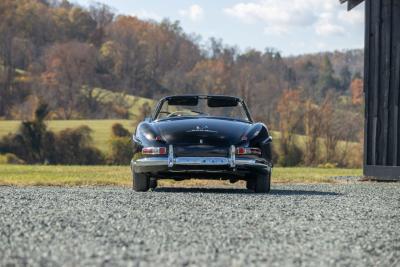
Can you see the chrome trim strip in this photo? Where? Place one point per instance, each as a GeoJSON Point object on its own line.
{"type": "Point", "coordinates": [171, 156]}
{"type": "Point", "coordinates": [150, 162]}
{"type": "Point", "coordinates": [206, 161]}
{"type": "Point", "coordinates": [251, 162]}
{"type": "Point", "coordinates": [196, 161]}
{"type": "Point", "coordinates": [194, 170]}
{"type": "Point", "coordinates": [232, 156]}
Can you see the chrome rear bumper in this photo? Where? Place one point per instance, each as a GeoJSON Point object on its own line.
{"type": "Point", "coordinates": [169, 162]}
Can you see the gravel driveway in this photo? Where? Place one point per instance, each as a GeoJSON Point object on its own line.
{"type": "Point", "coordinates": [312, 225]}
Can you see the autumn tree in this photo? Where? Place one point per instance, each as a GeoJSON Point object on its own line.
{"type": "Point", "coordinates": [260, 74]}
{"type": "Point", "coordinates": [211, 77]}
{"type": "Point", "coordinates": [103, 15]}
{"type": "Point", "coordinates": [345, 78]}
{"type": "Point", "coordinates": [326, 80]}
{"type": "Point", "coordinates": [248, 74]}
{"type": "Point", "coordinates": [290, 115]}
{"type": "Point", "coordinates": [81, 23]}
{"type": "Point", "coordinates": [356, 88]}
{"type": "Point", "coordinates": [69, 67]}
{"type": "Point", "coordinates": [337, 126]}
{"type": "Point", "coordinates": [312, 129]}
{"type": "Point", "coordinates": [169, 49]}
{"type": "Point", "coordinates": [128, 58]}
{"type": "Point", "coordinates": [350, 130]}
{"type": "Point", "coordinates": [272, 84]}
{"type": "Point", "coordinates": [35, 23]}
{"type": "Point", "coordinates": [8, 30]}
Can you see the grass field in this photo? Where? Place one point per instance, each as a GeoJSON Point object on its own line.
{"type": "Point", "coordinates": [23, 175]}
{"type": "Point", "coordinates": [101, 128]}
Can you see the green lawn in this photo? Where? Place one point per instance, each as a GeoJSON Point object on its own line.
{"type": "Point", "coordinates": [35, 175]}
{"type": "Point", "coordinates": [101, 128]}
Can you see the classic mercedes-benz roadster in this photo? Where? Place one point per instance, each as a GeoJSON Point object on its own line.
{"type": "Point", "coordinates": [202, 136]}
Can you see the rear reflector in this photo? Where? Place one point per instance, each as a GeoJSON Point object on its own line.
{"type": "Point", "coordinates": [248, 151]}
{"type": "Point", "coordinates": [154, 151]}
{"type": "Point", "coordinates": [241, 151]}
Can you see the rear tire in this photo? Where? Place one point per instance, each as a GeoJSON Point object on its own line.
{"type": "Point", "coordinates": [263, 183]}
{"type": "Point", "coordinates": [141, 182]}
{"type": "Point", "coordinates": [250, 184]}
{"type": "Point", "coordinates": [153, 183]}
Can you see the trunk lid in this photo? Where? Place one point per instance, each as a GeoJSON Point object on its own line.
{"type": "Point", "coordinates": [201, 131]}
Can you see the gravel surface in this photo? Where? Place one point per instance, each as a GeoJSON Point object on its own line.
{"type": "Point", "coordinates": [354, 224]}
{"type": "Point", "coordinates": [348, 178]}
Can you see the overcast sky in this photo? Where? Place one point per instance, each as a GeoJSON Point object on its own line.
{"type": "Point", "coordinates": [291, 26]}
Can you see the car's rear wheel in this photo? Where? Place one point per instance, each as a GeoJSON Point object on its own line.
{"type": "Point", "coordinates": [141, 182]}
{"type": "Point", "coordinates": [153, 183]}
{"type": "Point", "coordinates": [250, 183]}
{"type": "Point", "coordinates": [262, 183]}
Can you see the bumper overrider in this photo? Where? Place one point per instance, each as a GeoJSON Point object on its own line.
{"type": "Point", "coordinates": [171, 163]}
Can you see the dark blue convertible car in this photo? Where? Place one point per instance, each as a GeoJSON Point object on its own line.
{"type": "Point", "coordinates": [202, 136]}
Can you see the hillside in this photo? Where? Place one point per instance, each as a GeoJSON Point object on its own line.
{"type": "Point", "coordinates": [351, 59]}
{"type": "Point", "coordinates": [137, 107]}
{"type": "Point", "coordinates": [133, 61]}
{"type": "Point", "coordinates": [96, 48]}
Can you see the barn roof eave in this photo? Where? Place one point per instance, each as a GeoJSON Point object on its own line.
{"type": "Point", "coordinates": [351, 3]}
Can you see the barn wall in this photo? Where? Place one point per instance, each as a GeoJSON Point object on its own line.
{"type": "Point", "coordinates": [382, 87]}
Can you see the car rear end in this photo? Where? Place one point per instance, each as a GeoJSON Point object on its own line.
{"type": "Point", "coordinates": [200, 161]}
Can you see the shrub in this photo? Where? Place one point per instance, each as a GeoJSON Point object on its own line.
{"type": "Point", "coordinates": [74, 146]}
{"type": "Point", "coordinates": [275, 153]}
{"type": "Point", "coordinates": [10, 159]}
{"type": "Point", "coordinates": [121, 151]}
{"type": "Point", "coordinates": [27, 143]}
{"type": "Point", "coordinates": [118, 130]}
{"type": "Point", "coordinates": [293, 157]}
{"type": "Point", "coordinates": [33, 143]}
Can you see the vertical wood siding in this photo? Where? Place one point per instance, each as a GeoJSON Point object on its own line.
{"type": "Point", "coordinates": [382, 86]}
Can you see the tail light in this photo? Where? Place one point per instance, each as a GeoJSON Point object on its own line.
{"type": "Point", "coordinates": [154, 151]}
{"type": "Point", "coordinates": [248, 151]}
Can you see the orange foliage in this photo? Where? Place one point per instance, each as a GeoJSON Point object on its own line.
{"type": "Point", "coordinates": [213, 75]}
{"type": "Point", "coordinates": [289, 109]}
{"type": "Point", "coordinates": [356, 88]}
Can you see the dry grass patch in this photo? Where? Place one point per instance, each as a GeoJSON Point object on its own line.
{"type": "Point", "coordinates": [33, 175]}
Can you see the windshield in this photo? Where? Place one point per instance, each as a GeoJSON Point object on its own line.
{"type": "Point", "coordinates": [223, 107]}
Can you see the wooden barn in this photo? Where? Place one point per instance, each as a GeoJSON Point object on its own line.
{"type": "Point", "coordinates": [381, 87]}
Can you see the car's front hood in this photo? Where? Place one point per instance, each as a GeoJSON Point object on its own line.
{"type": "Point", "coordinates": [207, 131]}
